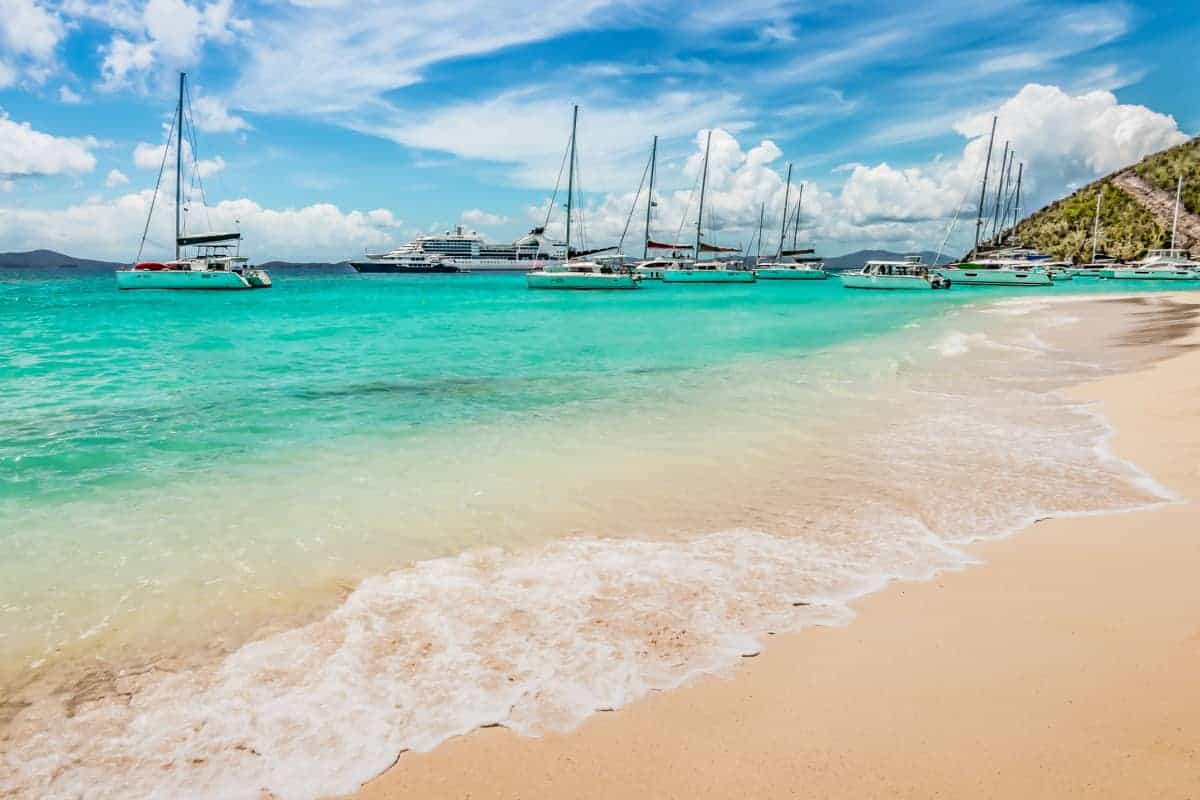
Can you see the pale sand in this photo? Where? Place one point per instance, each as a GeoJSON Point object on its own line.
{"type": "Point", "coordinates": [1068, 665]}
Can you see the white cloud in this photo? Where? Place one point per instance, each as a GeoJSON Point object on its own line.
{"type": "Point", "coordinates": [213, 116]}
{"type": "Point", "coordinates": [174, 27]}
{"type": "Point", "coordinates": [116, 178]}
{"type": "Point", "coordinates": [26, 28]}
{"type": "Point", "coordinates": [111, 229]}
{"type": "Point", "coordinates": [477, 216]}
{"type": "Point", "coordinates": [123, 58]}
{"type": "Point", "coordinates": [25, 151]}
{"type": "Point", "coordinates": [210, 166]}
{"type": "Point", "coordinates": [8, 75]}
{"type": "Point", "coordinates": [67, 96]}
{"type": "Point", "coordinates": [150, 156]}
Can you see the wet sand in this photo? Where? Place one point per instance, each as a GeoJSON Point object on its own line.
{"type": "Point", "coordinates": [1066, 665]}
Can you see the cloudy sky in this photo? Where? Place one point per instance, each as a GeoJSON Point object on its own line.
{"type": "Point", "coordinates": [327, 126]}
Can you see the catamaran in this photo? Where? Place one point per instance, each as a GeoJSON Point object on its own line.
{"type": "Point", "coordinates": [907, 274]}
{"type": "Point", "coordinates": [1171, 264]}
{"type": "Point", "coordinates": [803, 266]}
{"type": "Point", "coordinates": [216, 261]}
{"type": "Point", "coordinates": [578, 273]}
{"type": "Point", "coordinates": [698, 270]}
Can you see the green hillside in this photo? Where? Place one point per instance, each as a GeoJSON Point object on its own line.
{"type": "Point", "coordinates": [1135, 215]}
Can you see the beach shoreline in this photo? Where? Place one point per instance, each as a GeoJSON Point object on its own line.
{"type": "Point", "coordinates": [1062, 665]}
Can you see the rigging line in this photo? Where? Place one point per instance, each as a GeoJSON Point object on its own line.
{"type": "Point", "coordinates": [633, 207]}
{"type": "Point", "coordinates": [686, 209]}
{"type": "Point", "coordinates": [950, 228]}
{"type": "Point", "coordinates": [154, 197]}
{"type": "Point", "coordinates": [579, 196]}
{"type": "Point", "coordinates": [196, 176]}
{"type": "Point", "coordinates": [557, 183]}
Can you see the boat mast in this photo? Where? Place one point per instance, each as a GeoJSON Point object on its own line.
{"type": "Point", "coordinates": [179, 163]}
{"type": "Point", "coordinates": [983, 189]}
{"type": "Point", "coordinates": [703, 185]}
{"type": "Point", "coordinates": [1008, 196]}
{"type": "Point", "coordinates": [1017, 204]}
{"type": "Point", "coordinates": [1175, 224]}
{"type": "Point", "coordinates": [1096, 224]}
{"type": "Point", "coordinates": [999, 191]}
{"type": "Point", "coordinates": [762, 209]}
{"type": "Point", "coordinates": [783, 229]}
{"type": "Point", "coordinates": [571, 177]}
{"type": "Point", "coordinates": [650, 198]}
{"type": "Point", "coordinates": [796, 226]}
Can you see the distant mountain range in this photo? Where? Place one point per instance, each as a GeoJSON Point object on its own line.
{"type": "Point", "coordinates": [51, 260]}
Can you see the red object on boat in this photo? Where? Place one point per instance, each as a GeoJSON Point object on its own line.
{"type": "Point", "coordinates": [152, 266]}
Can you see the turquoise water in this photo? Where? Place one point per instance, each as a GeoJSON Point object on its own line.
{"type": "Point", "coordinates": [430, 503]}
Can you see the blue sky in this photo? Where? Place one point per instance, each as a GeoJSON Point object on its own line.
{"type": "Point", "coordinates": [329, 126]}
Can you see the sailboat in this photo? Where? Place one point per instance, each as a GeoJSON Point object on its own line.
{"type": "Point", "coordinates": [1171, 264]}
{"type": "Point", "coordinates": [698, 270]}
{"type": "Point", "coordinates": [578, 273]}
{"type": "Point", "coordinates": [215, 262]}
{"type": "Point", "coordinates": [802, 267]}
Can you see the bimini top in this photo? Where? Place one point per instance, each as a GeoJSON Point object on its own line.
{"type": "Point", "coordinates": [207, 238]}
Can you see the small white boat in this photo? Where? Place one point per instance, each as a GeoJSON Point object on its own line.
{"type": "Point", "coordinates": [791, 271]}
{"type": "Point", "coordinates": [653, 269]}
{"type": "Point", "coordinates": [581, 275]}
{"type": "Point", "coordinates": [995, 272]}
{"type": "Point", "coordinates": [907, 274]}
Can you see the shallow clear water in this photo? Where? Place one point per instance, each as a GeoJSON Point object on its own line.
{"type": "Point", "coordinates": [557, 501]}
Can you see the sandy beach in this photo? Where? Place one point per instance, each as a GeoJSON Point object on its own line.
{"type": "Point", "coordinates": [1064, 665]}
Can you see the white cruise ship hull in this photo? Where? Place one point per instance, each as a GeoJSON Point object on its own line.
{"type": "Point", "coordinates": [579, 280]}
{"type": "Point", "coordinates": [859, 280]}
{"type": "Point", "coordinates": [707, 276]}
{"type": "Point", "coordinates": [501, 265]}
{"type": "Point", "coordinates": [994, 277]}
{"type": "Point", "coordinates": [786, 274]}
{"type": "Point", "coordinates": [183, 279]}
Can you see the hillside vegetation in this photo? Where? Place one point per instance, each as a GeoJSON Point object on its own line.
{"type": "Point", "coordinates": [1131, 221]}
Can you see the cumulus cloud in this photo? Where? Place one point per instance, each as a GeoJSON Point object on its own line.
{"type": "Point", "coordinates": [213, 116]}
{"type": "Point", "coordinates": [123, 58]}
{"type": "Point", "coordinates": [477, 216]}
{"type": "Point", "coordinates": [27, 152]}
{"type": "Point", "coordinates": [116, 178]}
{"type": "Point", "coordinates": [111, 229]}
{"type": "Point", "coordinates": [67, 96]}
{"type": "Point", "coordinates": [29, 29]}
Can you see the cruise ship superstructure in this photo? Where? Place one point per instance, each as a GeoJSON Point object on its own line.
{"type": "Point", "coordinates": [461, 250]}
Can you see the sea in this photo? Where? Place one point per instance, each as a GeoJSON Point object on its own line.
{"type": "Point", "coordinates": [263, 543]}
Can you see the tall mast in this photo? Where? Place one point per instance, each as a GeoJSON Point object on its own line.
{"type": "Point", "coordinates": [783, 229]}
{"type": "Point", "coordinates": [796, 225]}
{"type": "Point", "coordinates": [1175, 224]}
{"type": "Point", "coordinates": [762, 209]}
{"type": "Point", "coordinates": [983, 189]}
{"type": "Point", "coordinates": [1096, 223]}
{"type": "Point", "coordinates": [1008, 195]}
{"type": "Point", "coordinates": [650, 197]}
{"type": "Point", "coordinates": [571, 177]}
{"type": "Point", "coordinates": [179, 163]}
{"type": "Point", "coordinates": [1017, 204]}
{"type": "Point", "coordinates": [999, 189]}
{"type": "Point", "coordinates": [703, 186]}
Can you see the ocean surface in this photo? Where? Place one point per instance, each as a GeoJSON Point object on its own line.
{"type": "Point", "coordinates": [270, 540]}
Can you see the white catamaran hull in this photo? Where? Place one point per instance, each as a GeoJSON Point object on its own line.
{"type": "Point", "coordinates": [858, 280]}
{"type": "Point", "coordinates": [785, 274]}
{"type": "Point", "coordinates": [995, 277]}
{"type": "Point", "coordinates": [1132, 273]}
{"type": "Point", "coordinates": [182, 279]}
{"type": "Point", "coordinates": [707, 276]}
{"type": "Point", "coordinates": [573, 280]}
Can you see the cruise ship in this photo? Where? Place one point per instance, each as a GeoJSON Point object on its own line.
{"type": "Point", "coordinates": [461, 250]}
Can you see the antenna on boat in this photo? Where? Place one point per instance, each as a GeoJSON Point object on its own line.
{"type": "Point", "coordinates": [1175, 223]}
{"type": "Point", "coordinates": [650, 197]}
{"type": "Point", "coordinates": [179, 163]}
{"type": "Point", "coordinates": [787, 190]}
{"type": "Point", "coordinates": [703, 184]}
{"type": "Point", "coordinates": [983, 189]}
{"type": "Point", "coordinates": [571, 177]}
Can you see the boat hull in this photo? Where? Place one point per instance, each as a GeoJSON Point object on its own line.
{"type": "Point", "coordinates": [1131, 274]}
{"type": "Point", "coordinates": [579, 281]}
{"type": "Point", "coordinates": [372, 268]}
{"type": "Point", "coordinates": [774, 274]}
{"type": "Point", "coordinates": [995, 277]}
{"type": "Point", "coordinates": [707, 276]}
{"type": "Point", "coordinates": [856, 280]}
{"type": "Point", "coordinates": [181, 279]}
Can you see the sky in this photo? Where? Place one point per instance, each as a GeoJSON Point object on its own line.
{"type": "Point", "coordinates": [326, 127]}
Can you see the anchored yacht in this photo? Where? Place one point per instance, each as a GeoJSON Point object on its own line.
{"type": "Point", "coordinates": [408, 259]}
{"type": "Point", "coordinates": [1158, 265]}
{"type": "Point", "coordinates": [907, 274]}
